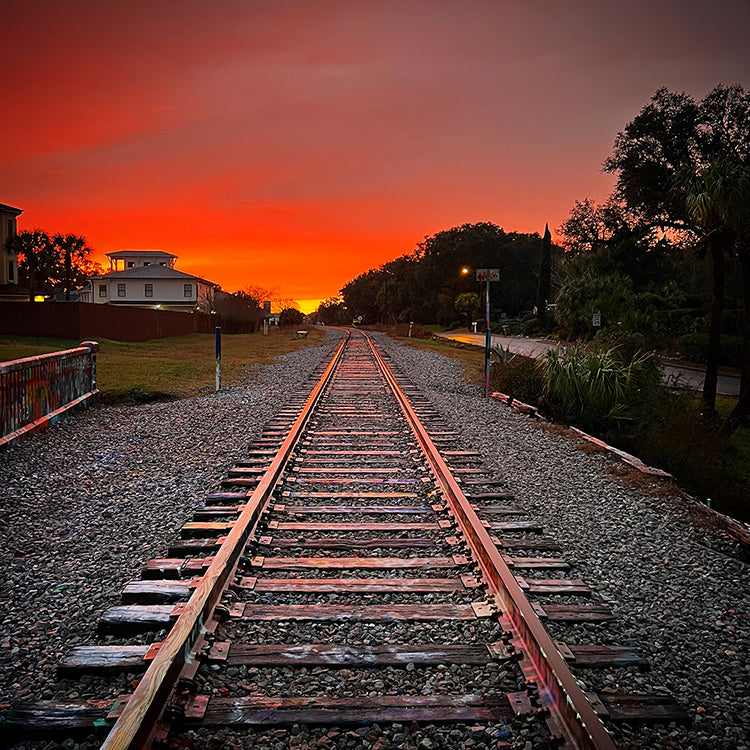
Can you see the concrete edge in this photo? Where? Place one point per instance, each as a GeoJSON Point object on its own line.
{"type": "Point", "coordinates": [636, 463]}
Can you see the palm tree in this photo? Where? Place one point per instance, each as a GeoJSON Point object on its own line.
{"type": "Point", "coordinates": [714, 199]}
{"type": "Point", "coordinates": [74, 253]}
{"type": "Point", "coordinates": [35, 257]}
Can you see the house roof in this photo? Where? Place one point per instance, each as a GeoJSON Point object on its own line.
{"type": "Point", "coordinates": [10, 209]}
{"type": "Point", "coordinates": [132, 253]}
{"type": "Point", "coordinates": [152, 272]}
{"type": "Point", "coordinates": [7, 289]}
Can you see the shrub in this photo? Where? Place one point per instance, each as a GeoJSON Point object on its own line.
{"type": "Point", "coordinates": [531, 326]}
{"type": "Point", "coordinates": [733, 322]}
{"type": "Point", "coordinates": [627, 344]}
{"type": "Point", "coordinates": [418, 331]}
{"type": "Point", "coordinates": [519, 377]}
{"type": "Point", "coordinates": [598, 390]}
{"type": "Point", "coordinates": [694, 348]}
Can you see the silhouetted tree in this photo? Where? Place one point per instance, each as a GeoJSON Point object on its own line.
{"type": "Point", "coordinates": [677, 166]}
{"type": "Point", "coordinates": [36, 258]}
{"type": "Point", "coordinates": [424, 284]}
{"type": "Point", "coordinates": [290, 316]}
{"type": "Point", "coordinates": [74, 258]}
{"type": "Point", "coordinates": [545, 273]}
{"type": "Point", "coordinates": [333, 312]}
{"type": "Point", "coordinates": [46, 265]}
{"type": "Point", "coordinates": [470, 304]}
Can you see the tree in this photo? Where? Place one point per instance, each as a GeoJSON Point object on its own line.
{"type": "Point", "coordinates": [237, 313]}
{"type": "Point", "coordinates": [592, 227]}
{"type": "Point", "coordinates": [73, 256]}
{"type": "Point", "coordinates": [333, 312]}
{"type": "Point", "coordinates": [257, 293]}
{"type": "Point", "coordinates": [423, 285]}
{"type": "Point", "coordinates": [677, 164]}
{"type": "Point", "coordinates": [290, 316]}
{"type": "Point", "coordinates": [49, 264]}
{"type": "Point", "coordinates": [545, 273]}
{"type": "Point", "coordinates": [469, 304]}
{"type": "Point", "coordinates": [713, 198]}
{"type": "Point", "coordinates": [36, 258]}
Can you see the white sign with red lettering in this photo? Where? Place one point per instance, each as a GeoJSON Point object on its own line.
{"type": "Point", "coordinates": [488, 274]}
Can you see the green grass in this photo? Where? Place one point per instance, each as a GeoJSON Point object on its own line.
{"type": "Point", "coordinates": [178, 367]}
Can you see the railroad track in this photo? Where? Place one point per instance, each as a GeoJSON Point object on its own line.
{"type": "Point", "coordinates": [359, 577]}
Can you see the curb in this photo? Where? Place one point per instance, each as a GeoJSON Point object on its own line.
{"type": "Point", "coordinates": [629, 459]}
{"type": "Point", "coordinates": [519, 406]}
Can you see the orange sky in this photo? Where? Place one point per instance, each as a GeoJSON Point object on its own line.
{"type": "Point", "coordinates": [293, 144]}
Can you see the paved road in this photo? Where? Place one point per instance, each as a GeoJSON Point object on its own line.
{"type": "Point", "coordinates": [687, 377]}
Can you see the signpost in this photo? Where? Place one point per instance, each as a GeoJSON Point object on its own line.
{"type": "Point", "coordinates": [218, 358]}
{"type": "Point", "coordinates": [487, 275]}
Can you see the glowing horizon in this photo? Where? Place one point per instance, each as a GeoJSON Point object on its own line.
{"type": "Point", "coordinates": [295, 145]}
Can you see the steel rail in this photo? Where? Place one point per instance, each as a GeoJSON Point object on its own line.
{"type": "Point", "coordinates": [571, 716]}
{"type": "Point", "coordinates": [139, 716]}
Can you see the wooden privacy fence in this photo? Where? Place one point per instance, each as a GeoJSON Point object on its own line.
{"type": "Point", "coordinates": [82, 320]}
{"type": "Point", "coordinates": [36, 391]}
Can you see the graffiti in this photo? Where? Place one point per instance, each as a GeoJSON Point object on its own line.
{"type": "Point", "coordinates": [34, 388]}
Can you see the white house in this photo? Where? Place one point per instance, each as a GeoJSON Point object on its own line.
{"type": "Point", "coordinates": [9, 288]}
{"type": "Point", "coordinates": [147, 278]}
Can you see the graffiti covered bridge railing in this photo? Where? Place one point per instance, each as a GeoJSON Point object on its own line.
{"type": "Point", "coordinates": [36, 391]}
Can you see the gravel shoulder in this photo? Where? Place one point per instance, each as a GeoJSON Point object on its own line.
{"type": "Point", "coordinates": [680, 591]}
{"type": "Point", "coordinates": [85, 503]}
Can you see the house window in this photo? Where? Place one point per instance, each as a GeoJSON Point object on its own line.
{"type": "Point", "coordinates": [102, 290]}
{"type": "Point", "coordinates": [146, 263]}
{"type": "Point", "coordinates": [131, 264]}
{"type": "Point", "coordinates": [121, 290]}
{"type": "Point", "coordinates": [10, 271]}
{"type": "Point", "coordinates": [149, 291]}
{"type": "Point", "coordinates": [11, 228]}
{"type": "Point", "coordinates": [163, 264]}
{"type": "Point", "coordinates": [188, 290]}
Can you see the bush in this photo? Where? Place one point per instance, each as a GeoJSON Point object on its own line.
{"type": "Point", "coordinates": [733, 322]}
{"type": "Point", "coordinates": [519, 377]}
{"type": "Point", "coordinates": [694, 348]}
{"type": "Point", "coordinates": [418, 331]}
{"type": "Point", "coordinates": [679, 321]}
{"type": "Point", "coordinates": [627, 344]}
{"type": "Point", "coordinates": [290, 316]}
{"type": "Point", "coordinates": [680, 440]}
{"type": "Point", "coordinates": [530, 326]}
{"type": "Point", "coordinates": [600, 390]}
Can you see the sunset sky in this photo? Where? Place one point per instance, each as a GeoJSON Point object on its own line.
{"type": "Point", "coordinates": [293, 144]}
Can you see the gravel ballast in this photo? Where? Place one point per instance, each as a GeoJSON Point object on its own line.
{"type": "Point", "coordinates": [681, 591]}
{"type": "Point", "coordinates": [85, 503]}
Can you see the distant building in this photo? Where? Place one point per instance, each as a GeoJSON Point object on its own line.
{"type": "Point", "coordinates": [9, 286]}
{"type": "Point", "coordinates": [147, 278]}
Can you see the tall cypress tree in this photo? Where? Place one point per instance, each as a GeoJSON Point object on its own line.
{"type": "Point", "coordinates": [545, 271]}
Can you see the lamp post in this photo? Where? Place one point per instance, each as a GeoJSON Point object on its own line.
{"type": "Point", "coordinates": [464, 272]}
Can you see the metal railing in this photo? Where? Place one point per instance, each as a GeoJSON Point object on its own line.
{"type": "Point", "coordinates": [36, 391]}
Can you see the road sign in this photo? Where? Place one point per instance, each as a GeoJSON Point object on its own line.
{"type": "Point", "coordinates": [488, 274]}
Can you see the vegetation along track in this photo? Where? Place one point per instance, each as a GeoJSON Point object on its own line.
{"type": "Point", "coordinates": [359, 577]}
